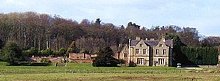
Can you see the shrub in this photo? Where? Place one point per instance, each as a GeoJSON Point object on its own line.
{"type": "Point", "coordinates": [11, 53]}
{"type": "Point", "coordinates": [31, 51]}
{"type": "Point", "coordinates": [122, 61]}
{"type": "Point", "coordinates": [62, 52]}
{"type": "Point", "coordinates": [39, 64]}
{"type": "Point", "coordinates": [1, 44]}
{"type": "Point", "coordinates": [32, 64]}
{"type": "Point", "coordinates": [132, 64]}
{"type": "Point", "coordinates": [46, 52]}
{"type": "Point", "coordinates": [56, 53]}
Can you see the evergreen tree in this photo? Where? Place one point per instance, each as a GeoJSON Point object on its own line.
{"type": "Point", "coordinates": [178, 56]}
{"type": "Point", "coordinates": [11, 53]}
{"type": "Point", "coordinates": [105, 58]}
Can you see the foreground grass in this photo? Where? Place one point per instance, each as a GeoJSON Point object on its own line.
{"type": "Point", "coordinates": [85, 72]}
{"type": "Point", "coordinates": [110, 77]}
{"type": "Point", "coordinates": [84, 76]}
{"type": "Point", "coordinates": [83, 68]}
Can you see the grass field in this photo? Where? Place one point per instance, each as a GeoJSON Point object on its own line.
{"type": "Point", "coordinates": [85, 72]}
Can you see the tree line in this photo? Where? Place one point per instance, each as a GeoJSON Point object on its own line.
{"type": "Point", "coordinates": [30, 33]}
{"type": "Point", "coordinates": [43, 31]}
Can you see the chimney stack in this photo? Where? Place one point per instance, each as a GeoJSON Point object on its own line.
{"type": "Point", "coordinates": [146, 38]}
{"type": "Point", "coordinates": [152, 39]}
{"type": "Point", "coordinates": [163, 39]}
{"type": "Point", "coordinates": [138, 38]}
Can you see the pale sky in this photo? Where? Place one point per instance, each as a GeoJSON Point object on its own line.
{"type": "Point", "coordinates": [201, 14]}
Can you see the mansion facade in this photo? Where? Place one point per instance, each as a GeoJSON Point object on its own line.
{"type": "Point", "coordinates": [144, 52]}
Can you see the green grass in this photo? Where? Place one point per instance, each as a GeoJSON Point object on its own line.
{"type": "Point", "coordinates": [83, 68]}
{"type": "Point", "coordinates": [85, 72]}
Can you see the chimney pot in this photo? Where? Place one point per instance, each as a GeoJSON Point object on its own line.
{"type": "Point", "coordinates": [152, 39]}
{"type": "Point", "coordinates": [146, 38]}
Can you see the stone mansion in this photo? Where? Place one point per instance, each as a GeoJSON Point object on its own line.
{"type": "Point", "coordinates": [146, 52]}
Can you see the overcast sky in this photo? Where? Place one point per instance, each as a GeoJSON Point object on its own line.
{"type": "Point", "coordinates": [201, 14]}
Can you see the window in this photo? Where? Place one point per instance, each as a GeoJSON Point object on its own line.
{"type": "Point", "coordinates": [137, 51]}
{"type": "Point", "coordinates": [144, 51]}
{"type": "Point", "coordinates": [161, 61]}
{"type": "Point", "coordinates": [140, 61]}
{"type": "Point", "coordinates": [125, 54]}
{"type": "Point", "coordinates": [157, 51]}
{"type": "Point", "coordinates": [160, 45]}
{"type": "Point", "coordinates": [140, 45]}
{"type": "Point", "coordinates": [164, 51]}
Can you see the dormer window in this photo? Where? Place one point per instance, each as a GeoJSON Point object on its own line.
{"type": "Point", "coordinates": [140, 45]}
{"type": "Point", "coordinates": [160, 45]}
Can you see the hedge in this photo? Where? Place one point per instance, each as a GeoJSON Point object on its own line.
{"type": "Point", "coordinates": [201, 55]}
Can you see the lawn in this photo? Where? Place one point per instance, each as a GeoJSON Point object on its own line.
{"type": "Point", "coordinates": [85, 72]}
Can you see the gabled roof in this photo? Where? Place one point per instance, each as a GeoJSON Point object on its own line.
{"type": "Point", "coordinates": [152, 42]}
{"type": "Point", "coordinates": [169, 43]}
{"type": "Point", "coordinates": [134, 42]}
